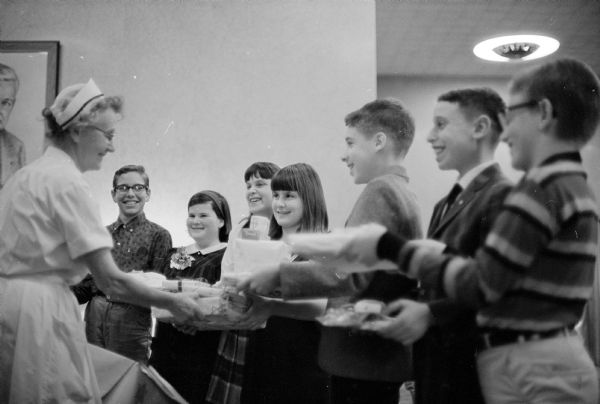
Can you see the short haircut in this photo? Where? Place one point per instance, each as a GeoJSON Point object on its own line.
{"type": "Point", "coordinates": [387, 116]}
{"type": "Point", "coordinates": [220, 207]}
{"type": "Point", "coordinates": [261, 169]}
{"type": "Point", "coordinates": [477, 101]}
{"type": "Point", "coordinates": [572, 88]}
{"type": "Point", "coordinates": [128, 169]}
{"type": "Point", "coordinates": [9, 74]}
{"type": "Point", "coordinates": [303, 179]}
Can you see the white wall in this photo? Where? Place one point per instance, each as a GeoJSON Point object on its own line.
{"type": "Point", "coordinates": [419, 95]}
{"type": "Point", "coordinates": [212, 86]}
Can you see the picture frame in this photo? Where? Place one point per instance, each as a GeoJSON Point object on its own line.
{"type": "Point", "coordinates": [36, 64]}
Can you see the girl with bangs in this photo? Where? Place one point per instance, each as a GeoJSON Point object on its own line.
{"type": "Point", "coordinates": [281, 362]}
{"type": "Point", "coordinates": [228, 373]}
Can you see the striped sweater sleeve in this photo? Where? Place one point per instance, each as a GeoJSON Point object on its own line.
{"type": "Point", "coordinates": [548, 223]}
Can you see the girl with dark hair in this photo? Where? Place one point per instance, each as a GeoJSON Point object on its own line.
{"type": "Point", "coordinates": [183, 355]}
{"type": "Point", "coordinates": [259, 196]}
{"type": "Point", "coordinates": [281, 361]}
{"type": "Point", "coordinates": [226, 382]}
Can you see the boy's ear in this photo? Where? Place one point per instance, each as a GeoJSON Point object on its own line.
{"type": "Point", "coordinates": [379, 140]}
{"type": "Point", "coordinates": [481, 126]}
{"type": "Point", "coordinates": [547, 113]}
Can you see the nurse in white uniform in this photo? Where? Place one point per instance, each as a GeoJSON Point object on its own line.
{"type": "Point", "coordinates": [50, 236]}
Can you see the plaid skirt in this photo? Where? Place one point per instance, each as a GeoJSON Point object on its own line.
{"type": "Point", "coordinates": [228, 373]}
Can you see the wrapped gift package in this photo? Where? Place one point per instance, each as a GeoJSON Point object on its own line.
{"type": "Point", "coordinates": [248, 255]}
{"type": "Point", "coordinates": [191, 285]}
{"type": "Point", "coordinates": [222, 308]}
{"type": "Point", "coordinates": [328, 247]}
{"type": "Point", "coordinates": [257, 230]}
{"type": "Point", "coordinates": [353, 315]}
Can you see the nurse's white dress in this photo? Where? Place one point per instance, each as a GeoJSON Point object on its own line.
{"type": "Point", "coordinates": [47, 220]}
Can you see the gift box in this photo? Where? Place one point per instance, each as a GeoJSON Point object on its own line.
{"type": "Point", "coordinates": [191, 285]}
{"type": "Point", "coordinates": [248, 255]}
{"type": "Point", "coordinates": [221, 312]}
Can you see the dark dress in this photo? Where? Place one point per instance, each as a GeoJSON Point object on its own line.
{"type": "Point", "coordinates": [186, 361]}
{"type": "Point", "coordinates": [282, 366]}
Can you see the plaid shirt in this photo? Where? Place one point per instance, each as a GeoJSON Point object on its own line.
{"type": "Point", "coordinates": [138, 245]}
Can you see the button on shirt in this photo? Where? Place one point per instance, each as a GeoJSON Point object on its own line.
{"type": "Point", "coordinates": [140, 244]}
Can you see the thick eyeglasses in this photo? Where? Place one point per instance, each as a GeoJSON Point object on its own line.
{"type": "Point", "coordinates": [137, 188]}
{"type": "Point", "coordinates": [508, 117]}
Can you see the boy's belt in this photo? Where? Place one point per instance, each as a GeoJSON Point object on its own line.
{"type": "Point", "coordinates": [490, 338]}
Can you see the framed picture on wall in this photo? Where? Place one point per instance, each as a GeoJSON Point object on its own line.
{"type": "Point", "coordinates": [35, 64]}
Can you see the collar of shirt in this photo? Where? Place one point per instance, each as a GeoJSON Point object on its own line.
{"type": "Point", "coordinates": [466, 179]}
{"type": "Point", "coordinates": [192, 249]}
{"type": "Point", "coordinates": [568, 156]}
{"type": "Point", "coordinates": [396, 170]}
{"type": "Point", "coordinates": [54, 153]}
{"type": "Point", "coordinates": [132, 224]}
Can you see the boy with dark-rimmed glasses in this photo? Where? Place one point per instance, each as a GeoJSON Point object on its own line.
{"type": "Point", "coordinates": [139, 244]}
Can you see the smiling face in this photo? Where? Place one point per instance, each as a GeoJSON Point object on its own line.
{"type": "Point", "coordinates": [521, 132]}
{"type": "Point", "coordinates": [203, 225]}
{"type": "Point", "coordinates": [8, 93]}
{"type": "Point", "coordinates": [452, 138]}
{"type": "Point", "coordinates": [259, 196]}
{"type": "Point", "coordinates": [131, 203]}
{"type": "Point", "coordinates": [94, 141]}
{"type": "Point", "coordinates": [287, 210]}
{"type": "Point", "coordinates": [359, 155]}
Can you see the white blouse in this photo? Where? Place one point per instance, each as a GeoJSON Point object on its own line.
{"type": "Point", "coordinates": [48, 219]}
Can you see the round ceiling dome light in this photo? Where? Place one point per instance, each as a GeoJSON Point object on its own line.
{"type": "Point", "coordinates": [516, 47]}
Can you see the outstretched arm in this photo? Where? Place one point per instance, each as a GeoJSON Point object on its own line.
{"type": "Point", "coordinates": [114, 282]}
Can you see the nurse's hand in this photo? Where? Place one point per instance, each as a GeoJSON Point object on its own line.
{"type": "Point", "coordinates": [184, 307]}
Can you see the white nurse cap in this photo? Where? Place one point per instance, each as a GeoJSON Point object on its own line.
{"type": "Point", "coordinates": [85, 96]}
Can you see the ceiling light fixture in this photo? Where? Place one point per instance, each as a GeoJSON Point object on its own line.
{"type": "Point", "coordinates": [516, 47]}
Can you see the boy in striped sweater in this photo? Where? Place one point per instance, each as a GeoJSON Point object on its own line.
{"type": "Point", "coordinates": [533, 276]}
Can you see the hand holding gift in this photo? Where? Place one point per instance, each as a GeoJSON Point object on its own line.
{"type": "Point", "coordinates": [262, 281]}
{"type": "Point", "coordinates": [408, 321]}
{"type": "Point", "coordinates": [213, 307]}
{"type": "Point", "coordinates": [353, 249]}
{"type": "Point", "coordinates": [258, 314]}
{"type": "Point", "coordinates": [184, 308]}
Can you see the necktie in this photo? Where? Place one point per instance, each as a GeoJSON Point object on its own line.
{"type": "Point", "coordinates": [456, 189]}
